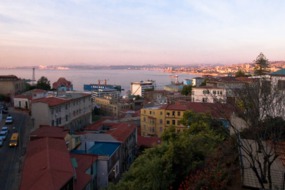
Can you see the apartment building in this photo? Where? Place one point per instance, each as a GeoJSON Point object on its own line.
{"type": "Point", "coordinates": [73, 111]}
{"type": "Point", "coordinates": [154, 120]}
{"type": "Point", "coordinates": [209, 94]}
{"type": "Point", "coordinates": [113, 107]}
{"type": "Point", "coordinates": [218, 89]}
{"type": "Point", "coordinates": [10, 85]}
{"type": "Point", "coordinates": [123, 133]}
{"type": "Point", "coordinates": [139, 88]}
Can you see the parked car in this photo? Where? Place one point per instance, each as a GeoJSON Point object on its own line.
{"type": "Point", "coordinates": [9, 120]}
{"type": "Point", "coordinates": [5, 128]}
{"type": "Point", "coordinates": [1, 142]}
{"type": "Point", "coordinates": [3, 135]}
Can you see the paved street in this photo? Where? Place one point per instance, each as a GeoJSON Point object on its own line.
{"type": "Point", "coordinates": [11, 159]}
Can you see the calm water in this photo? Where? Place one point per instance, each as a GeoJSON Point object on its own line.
{"type": "Point", "coordinates": [118, 77]}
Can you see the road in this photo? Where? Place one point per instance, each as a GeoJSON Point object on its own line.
{"type": "Point", "coordinates": [11, 159]}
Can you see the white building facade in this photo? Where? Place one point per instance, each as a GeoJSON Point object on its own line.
{"type": "Point", "coordinates": [208, 94]}
{"type": "Point", "coordinates": [73, 111]}
{"type": "Point", "coordinates": [139, 88]}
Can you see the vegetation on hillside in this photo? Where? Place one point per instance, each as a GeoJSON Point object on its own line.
{"type": "Point", "coordinates": [182, 154]}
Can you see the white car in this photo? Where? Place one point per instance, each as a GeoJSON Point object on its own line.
{"type": "Point", "coordinates": [3, 135]}
{"type": "Point", "coordinates": [9, 120]}
{"type": "Point", "coordinates": [5, 128]}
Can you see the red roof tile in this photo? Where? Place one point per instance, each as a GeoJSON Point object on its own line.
{"type": "Point", "coordinates": [51, 101]}
{"type": "Point", "coordinates": [48, 131]}
{"type": "Point", "coordinates": [214, 109]}
{"type": "Point", "coordinates": [120, 131]}
{"type": "Point", "coordinates": [62, 82]}
{"type": "Point", "coordinates": [47, 165]}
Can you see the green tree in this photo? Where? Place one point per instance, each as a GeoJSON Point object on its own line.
{"type": "Point", "coordinates": [186, 90]}
{"type": "Point", "coordinates": [43, 83]}
{"type": "Point", "coordinates": [240, 73]}
{"type": "Point", "coordinates": [166, 165]}
{"type": "Point", "coordinates": [261, 65]}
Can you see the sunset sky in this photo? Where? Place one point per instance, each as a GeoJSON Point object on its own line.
{"type": "Point", "coordinates": [112, 32]}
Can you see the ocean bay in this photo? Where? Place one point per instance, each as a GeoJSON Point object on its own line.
{"type": "Point", "coordinates": [79, 77]}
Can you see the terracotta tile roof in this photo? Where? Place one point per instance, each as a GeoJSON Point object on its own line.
{"type": "Point", "coordinates": [214, 109]}
{"type": "Point", "coordinates": [62, 82]}
{"type": "Point", "coordinates": [119, 131]}
{"type": "Point", "coordinates": [84, 162]}
{"type": "Point", "coordinates": [48, 131]}
{"type": "Point", "coordinates": [51, 101]}
{"type": "Point", "coordinates": [47, 165]}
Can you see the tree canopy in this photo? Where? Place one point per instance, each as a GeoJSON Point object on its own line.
{"type": "Point", "coordinates": [43, 83]}
{"type": "Point", "coordinates": [186, 90]}
{"type": "Point", "coordinates": [167, 165]}
{"type": "Point", "coordinates": [240, 73]}
{"type": "Point", "coordinates": [261, 65]}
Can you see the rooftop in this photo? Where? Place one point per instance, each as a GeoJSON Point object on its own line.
{"type": "Point", "coordinates": [48, 131]}
{"type": "Point", "coordinates": [47, 165]}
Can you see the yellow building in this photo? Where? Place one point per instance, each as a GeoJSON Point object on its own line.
{"type": "Point", "coordinates": [154, 120]}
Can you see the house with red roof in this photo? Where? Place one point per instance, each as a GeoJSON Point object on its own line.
{"type": "Point", "coordinates": [62, 85]}
{"type": "Point", "coordinates": [23, 101]}
{"type": "Point", "coordinates": [71, 141]}
{"type": "Point", "coordinates": [47, 166]}
{"type": "Point", "coordinates": [114, 143]}
{"type": "Point", "coordinates": [49, 163]}
{"type": "Point", "coordinates": [72, 111]}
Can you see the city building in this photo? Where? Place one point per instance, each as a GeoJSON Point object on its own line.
{"type": "Point", "coordinates": [10, 85]}
{"type": "Point", "coordinates": [139, 88]}
{"type": "Point", "coordinates": [47, 166]}
{"type": "Point", "coordinates": [209, 94]}
{"type": "Point", "coordinates": [218, 89]}
{"type": "Point", "coordinates": [23, 101]}
{"type": "Point", "coordinates": [108, 158]}
{"type": "Point", "coordinates": [46, 131]}
{"type": "Point", "coordinates": [62, 85]}
{"type": "Point", "coordinates": [154, 120]}
{"type": "Point", "coordinates": [197, 81]}
{"type": "Point", "coordinates": [113, 107]}
{"type": "Point", "coordinates": [73, 111]}
{"type": "Point", "coordinates": [124, 133]}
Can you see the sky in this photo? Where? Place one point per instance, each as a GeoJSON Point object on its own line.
{"type": "Point", "coordinates": [138, 32]}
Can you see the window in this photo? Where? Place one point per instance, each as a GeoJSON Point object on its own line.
{"type": "Point", "coordinates": [204, 100]}
{"type": "Point", "coordinates": [167, 122]}
{"type": "Point", "coordinates": [160, 121]}
{"type": "Point", "coordinates": [161, 113]}
{"type": "Point", "coordinates": [178, 113]}
{"type": "Point", "coordinates": [206, 92]}
{"type": "Point", "coordinates": [173, 122]}
{"type": "Point", "coordinates": [173, 113]}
